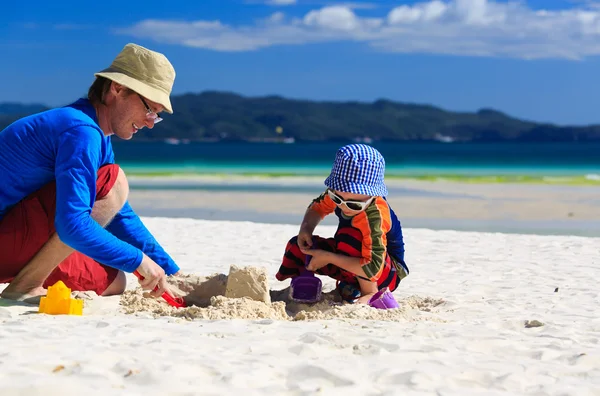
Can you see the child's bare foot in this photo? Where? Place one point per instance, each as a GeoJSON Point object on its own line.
{"type": "Point", "coordinates": [367, 290]}
{"type": "Point", "coordinates": [32, 296]}
{"type": "Point", "coordinates": [364, 299]}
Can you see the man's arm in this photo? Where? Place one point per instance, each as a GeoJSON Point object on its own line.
{"type": "Point", "coordinates": [76, 167]}
{"type": "Point", "coordinates": [128, 227]}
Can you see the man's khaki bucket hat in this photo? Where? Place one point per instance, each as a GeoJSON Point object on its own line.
{"type": "Point", "coordinates": [146, 72]}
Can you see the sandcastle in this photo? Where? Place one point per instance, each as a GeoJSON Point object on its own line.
{"type": "Point", "coordinates": [251, 282]}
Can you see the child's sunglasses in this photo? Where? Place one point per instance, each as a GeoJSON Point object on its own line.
{"type": "Point", "coordinates": [352, 205]}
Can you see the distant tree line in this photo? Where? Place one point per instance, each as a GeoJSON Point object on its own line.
{"type": "Point", "coordinates": [222, 116]}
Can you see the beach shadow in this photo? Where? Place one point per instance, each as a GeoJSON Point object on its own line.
{"type": "Point", "coordinates": [198, 290]}
{"type": "Point", "coordinates": [7, 304]}
{"type": "Point", "coordinates": [14, 303]}
{"type": "Point", "coordinates": [327, 301]}
{"type": "Point", "coordinates": [31, 313]}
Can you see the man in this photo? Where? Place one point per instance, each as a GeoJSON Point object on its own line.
{"type": "Point", "coordinates": [64, 213]}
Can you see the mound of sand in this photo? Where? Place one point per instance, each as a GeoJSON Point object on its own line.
{"type": "Point", "coordinates": [245, 294]}
{"type": "Point", "coordinates": [251, 282]}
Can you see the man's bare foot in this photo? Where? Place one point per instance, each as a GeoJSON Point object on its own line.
{"type": "Point", "coordinates": [364, 299]}
{"type": "Point", "coordinates": [32, 296]}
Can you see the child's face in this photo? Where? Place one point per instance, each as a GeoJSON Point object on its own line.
{"type": "Point", "coordinates": [350, 204]}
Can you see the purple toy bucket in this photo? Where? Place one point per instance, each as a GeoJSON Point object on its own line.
{"type": "Point", "coordinates": [383, 299]}
{"type": "Point", "coordinates": [306, 288]}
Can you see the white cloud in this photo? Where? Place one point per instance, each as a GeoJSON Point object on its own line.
{"type": "Point", "coordinates": [459, 27]}
{"type": "Point", "coordinates": [357, 5]}
{"type": "Point", "coordinates": [352, 5]}
{"type": "Point", "coordinates": [276, 17]}
{"type": "Point", "coordinates": [420, 12]}
{"type": "Point", "coordinates": [337, 18]}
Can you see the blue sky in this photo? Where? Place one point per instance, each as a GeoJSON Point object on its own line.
{"type": "Point", "coordinates": [536, 60]}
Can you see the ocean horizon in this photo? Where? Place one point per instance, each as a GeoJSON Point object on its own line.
{"type": "Point", "coordinates": [419, 160]}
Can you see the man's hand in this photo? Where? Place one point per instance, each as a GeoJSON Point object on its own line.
{"type": "Point", "coordinates": [154, 276]}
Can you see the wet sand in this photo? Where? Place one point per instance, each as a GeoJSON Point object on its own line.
{"type": "Point", "coordinates": [521, 208]}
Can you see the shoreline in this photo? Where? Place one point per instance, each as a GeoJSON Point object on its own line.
{"type": "Point", "coordinates": [507, 208]}
{"type": "Point", "coordinates": [568, 180]}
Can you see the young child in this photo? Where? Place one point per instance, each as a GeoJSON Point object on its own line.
{"type": "Point", "coordinates": [367, 252]}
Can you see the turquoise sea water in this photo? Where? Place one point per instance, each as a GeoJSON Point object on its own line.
{"type": "Point", "coordinates": [402, 159]}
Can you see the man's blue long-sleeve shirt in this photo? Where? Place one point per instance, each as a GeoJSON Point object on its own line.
{"type": "Point", "coordinates": [67, 145]}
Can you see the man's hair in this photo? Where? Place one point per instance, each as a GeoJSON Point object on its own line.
{"type": "Point", "coordinates": [98, 89]}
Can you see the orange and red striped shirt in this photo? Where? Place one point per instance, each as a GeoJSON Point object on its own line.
{"type": "Point", "coordinates": [381, 233]}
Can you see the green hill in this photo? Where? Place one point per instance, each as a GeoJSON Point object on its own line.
{"type": "Point", "coordinates": [227, 116]}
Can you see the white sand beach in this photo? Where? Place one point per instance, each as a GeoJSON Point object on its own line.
{"type": "Point", "coordinates": [480, 313]}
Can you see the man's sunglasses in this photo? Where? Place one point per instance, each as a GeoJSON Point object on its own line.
{"type": "Point", "coordinates": [356, 206]}
{"type": "Point", "coordinates": [149, 113]}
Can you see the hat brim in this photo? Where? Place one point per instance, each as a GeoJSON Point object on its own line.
{"type": "Point", "coordinates": [356, 188]}
{"type": "Point", "coordinates": [148, 92]}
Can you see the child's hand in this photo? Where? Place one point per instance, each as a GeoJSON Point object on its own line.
{"type": "Point", "coordinates": [304, 240]}
{"type": "Point", "coordinates": [320, 258]}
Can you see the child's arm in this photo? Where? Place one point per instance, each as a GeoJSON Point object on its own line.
{"type": "Point", "coordinates": [321, 258]}
{"type": "Point", "coordinates": [316, 211]}
{"type": "Point", "coordinates": [311, 219]}
{"type": "Point", "coordinates": [350, 264]}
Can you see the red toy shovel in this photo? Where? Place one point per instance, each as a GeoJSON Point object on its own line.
{"type": "Point", "coordinates": [173, 301]}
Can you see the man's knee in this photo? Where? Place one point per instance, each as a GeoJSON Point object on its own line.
{"type": "Point", "coordinates": [119, 192]}
{"type": "Point", "coordinates": [122, 186]}
{"type": "Point", "coordinates": [117, 286]}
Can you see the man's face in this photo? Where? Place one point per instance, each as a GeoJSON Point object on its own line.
{"type": "Point", "coordinates": [131, 112]}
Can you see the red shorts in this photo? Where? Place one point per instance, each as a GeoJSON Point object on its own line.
{"type": "Point", "coordinates": [29, 225]}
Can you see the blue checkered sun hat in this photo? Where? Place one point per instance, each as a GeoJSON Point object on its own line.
{"type": "Point", "coordinates": [358, 169]}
